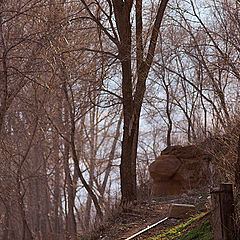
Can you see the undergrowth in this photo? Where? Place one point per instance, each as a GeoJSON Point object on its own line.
{"type": "Point", "coordinates": [202, 231]}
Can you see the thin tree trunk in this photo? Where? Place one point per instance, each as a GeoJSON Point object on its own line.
{"type": "Point", "coordinates": [111, 157]}
{"type": "Point", "coordinates": [46, 224]}
{"type": "Point", "coordinates": [75, 155]}
{"type": "Point", "coordinates": [168, 111]}
{"type": "Point", "coordinates": [93, 141]}
{"type": "Point", "coordinates": [71, 225]}
{"type": "Point", "coordinates": [26, 233]}
{"type": "Point", "coordinates": [56, 194]}
{"type": "Point", "coordinates": [71, 222]}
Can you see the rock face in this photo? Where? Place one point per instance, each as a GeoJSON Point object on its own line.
{"type": "Point", "coordinates": [179, 169]}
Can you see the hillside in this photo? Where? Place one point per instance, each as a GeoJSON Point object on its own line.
{"type": "Point", "coordinates": [126, 223]}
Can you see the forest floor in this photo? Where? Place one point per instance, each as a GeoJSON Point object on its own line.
{"type": "Point", "coordinates": [135, 218]}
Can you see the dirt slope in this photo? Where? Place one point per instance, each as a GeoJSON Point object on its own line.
{"type": "Point", "coordinates": [136, 218]}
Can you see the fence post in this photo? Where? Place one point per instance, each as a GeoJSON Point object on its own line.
{"type": "Point", "coordinates": [223, 212]}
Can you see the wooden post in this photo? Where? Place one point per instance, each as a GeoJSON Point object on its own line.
{"type": "Point", "coordinates": [223, 212]}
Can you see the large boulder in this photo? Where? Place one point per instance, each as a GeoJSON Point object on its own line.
{"type": "Point", "coordinates": [179, 169]}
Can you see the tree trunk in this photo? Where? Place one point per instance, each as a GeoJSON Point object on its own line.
{"type": "Point", "coordinates": [71, 225]}
{"type": "Point", "coordinates": [71, 221]}
{"type": "Point", "coordinates": [130, 125]}
{"type": "Point", "coordinates": [132, 102]}
{"type": "Point", "coordinates": [26, 232]}
{"type": "Point", "coordinates": [56, 194]}
{"type": "Point", "coordinates": [111, 158]}
{"type": "Point", "coordinates": [237, 168]}
{"type": "Point", "coordinates": [75, 155]}
{"type": "Point", "coordinates": [237, 185]}
{"type": "Point", "coordinates": [128, 162]}
{"type": "Point", "coordinates": [46, 227]}
{"type": "Point", "coordinates": [168, 111]}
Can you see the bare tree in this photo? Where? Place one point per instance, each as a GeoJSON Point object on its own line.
{"type": "Point", "coordinates": [121, 37]}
